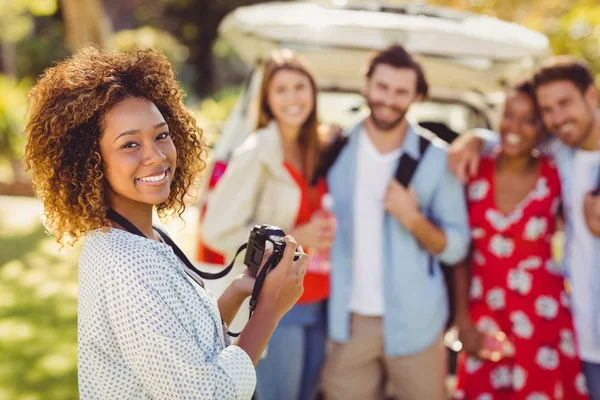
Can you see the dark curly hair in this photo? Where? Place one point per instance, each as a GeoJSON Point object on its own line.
{"type": "Point", "coordinates": [66, 109]}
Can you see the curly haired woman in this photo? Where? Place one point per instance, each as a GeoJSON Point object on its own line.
{"type": "Point", "coordinates": [108, 141]}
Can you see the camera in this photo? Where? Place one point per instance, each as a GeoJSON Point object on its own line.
{"type": "Point", "coordinates": [259, 236]}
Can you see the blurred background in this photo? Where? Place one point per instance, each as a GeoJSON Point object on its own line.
{"type": "Point", "coordinates": [38, 283]}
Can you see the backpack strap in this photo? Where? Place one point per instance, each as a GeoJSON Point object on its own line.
{"type": "Point", "coordinates": [423, 144]}
{"type": "Point", "coordinates": [328, 157]}
{"type": "Point", "coordinates": [407, 166]}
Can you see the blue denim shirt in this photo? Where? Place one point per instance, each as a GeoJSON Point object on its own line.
{"type": "Point", "coordinates": [415, 301]}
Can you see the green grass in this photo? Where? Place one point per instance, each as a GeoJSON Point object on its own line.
{"type": "Point", "coordinates": [38, 307]}
{"type": "Point", "coordinates": [38, 303]}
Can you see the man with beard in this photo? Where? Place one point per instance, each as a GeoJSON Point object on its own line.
{"type": "Point", "coordinates": [568, 103]}
{"type": "Point", "coordinates": [388, 305]}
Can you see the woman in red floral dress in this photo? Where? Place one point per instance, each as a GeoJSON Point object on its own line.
{"type": "Point", "coordinates": [515, 287]}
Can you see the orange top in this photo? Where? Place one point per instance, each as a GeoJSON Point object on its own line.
{"type": "Point", "coordinates": [316, 286]}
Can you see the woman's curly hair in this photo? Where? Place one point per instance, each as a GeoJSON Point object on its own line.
{"type": "Point", "coordinates": [65, 122]}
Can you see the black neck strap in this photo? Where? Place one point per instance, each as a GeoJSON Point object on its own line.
{"type": "Point", "coordinates": [121, 220]}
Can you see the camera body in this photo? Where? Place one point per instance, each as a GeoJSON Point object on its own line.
{"type": "Point", "coordinates": [257, 244]}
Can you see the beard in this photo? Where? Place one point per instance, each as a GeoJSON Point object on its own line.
{"type": "Point", "coordinates": [590, 125]}
{"type": "Point", "coordinates": [386, 125]}
{"type": "Point", "coordinates": [577, 138]}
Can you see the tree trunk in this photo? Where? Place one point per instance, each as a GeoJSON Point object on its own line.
{"type": "Point", "coordinates": [86, 22]}
{"type": "Point", "coordinates": [8, 59]}
{"type": "Point", "coordinates": [205, 16]}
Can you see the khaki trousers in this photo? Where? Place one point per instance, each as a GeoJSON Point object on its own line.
{"type": "Point", "coordinates": [359, 368]}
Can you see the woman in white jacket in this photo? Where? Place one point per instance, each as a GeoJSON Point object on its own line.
{"type": "Point", "coordinates": [268, 181]}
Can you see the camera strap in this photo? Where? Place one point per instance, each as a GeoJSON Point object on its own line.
{"type": "Point", "coordinates": [407, 166]}
{"type": "Point", "coordinates": [260, 279]}
{"type": "Point", "coordinates": [190, 269]}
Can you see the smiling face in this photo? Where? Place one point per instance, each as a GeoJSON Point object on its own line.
{"type": "Point", "coordinates": [567, 112]}
{"type": "Point", "coordinates": [138, 154]}
{"type": "Point", "coordinates": [290, 98]}
{"type": "Point", "coordinates": [520, 125]}
{"type": "Point", "coordinates": [390, 91]}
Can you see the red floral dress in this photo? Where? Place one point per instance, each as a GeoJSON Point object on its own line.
{"type": "Point", "coordinates": [516, 288]}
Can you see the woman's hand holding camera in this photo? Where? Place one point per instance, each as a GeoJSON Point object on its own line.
{"type": "Point", "coordinates": [244, 283]}
{"type": "Point", "coordinates": [242, 286]}
{"type": "Point", "coordinates": [283, 286]}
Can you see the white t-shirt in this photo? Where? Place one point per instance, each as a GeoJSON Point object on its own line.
{"type": "Point", "coordinates": [373, 173]}
{"type": "Point", "coordinates": [582, 254]}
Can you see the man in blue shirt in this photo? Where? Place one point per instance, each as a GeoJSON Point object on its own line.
{"type": "Point", "coordinates": [388, 304]}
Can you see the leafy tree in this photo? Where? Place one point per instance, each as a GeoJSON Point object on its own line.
{"type": "Point", "coordinates": [571, 25]}
{"type": "Point", "coordinates": [12, 110]}
{"type": "Point", "coordinates": [196, 22]}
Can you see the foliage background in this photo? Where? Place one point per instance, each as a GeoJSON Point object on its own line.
{"type": "Point", "coordinates": [38, 285]}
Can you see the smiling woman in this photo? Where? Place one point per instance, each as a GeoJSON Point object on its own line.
{"type": "Point", "coordinates": [269, 180]}
{"type": "Point", "coordinates": [80, 101]}
{"type": "Point", "coordinates": [139, 156]}
{"type": "Point", "coordinates": [109, 141]}
{"type": "Point", "coordinates": [515, 288]}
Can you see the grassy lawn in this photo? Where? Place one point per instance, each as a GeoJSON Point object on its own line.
{"type": "Point", "coordinates": [38, 303]}
{"type": "Point", "coordinates": [38, 307]}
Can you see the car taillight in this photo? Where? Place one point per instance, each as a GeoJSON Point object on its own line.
{"type": "Point", "coordinates": [218, 170]}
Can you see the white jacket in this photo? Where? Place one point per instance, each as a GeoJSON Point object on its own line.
{"type": "Point", "coordinates": [255, 189]}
